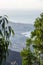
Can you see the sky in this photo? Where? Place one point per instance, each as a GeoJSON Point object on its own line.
{"type": "Point", "coordinates": [21, 4]}
{"type": "Point", "coordinates": [33, 7]}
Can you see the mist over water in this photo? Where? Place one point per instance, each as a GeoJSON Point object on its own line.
{"type": "Point", "coordinates": [21, 16]}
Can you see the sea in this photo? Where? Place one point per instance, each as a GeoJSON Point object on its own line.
{"type": "Point", "coordinates": [22, 22]}
{"type": "Point", "coordinates": [22, 32]}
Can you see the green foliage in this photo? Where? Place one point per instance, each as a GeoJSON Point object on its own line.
{"type": "Point", "coordinates": [5, 33]}
{"type": "Point", "coordinates": [32, 57]}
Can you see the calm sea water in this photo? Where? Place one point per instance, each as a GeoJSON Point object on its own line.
{"type": "Point", "coordinates": [22, 32]}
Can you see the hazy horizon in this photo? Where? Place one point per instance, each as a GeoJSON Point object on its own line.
{"type": "Point", "coordinates": [21, 16]}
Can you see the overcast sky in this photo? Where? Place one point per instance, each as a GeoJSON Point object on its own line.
{"type": "Point", "coordinates": [21, 4]}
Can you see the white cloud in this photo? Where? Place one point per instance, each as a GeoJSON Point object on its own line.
{"type": "Point", "coordinates": [21, 4]}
